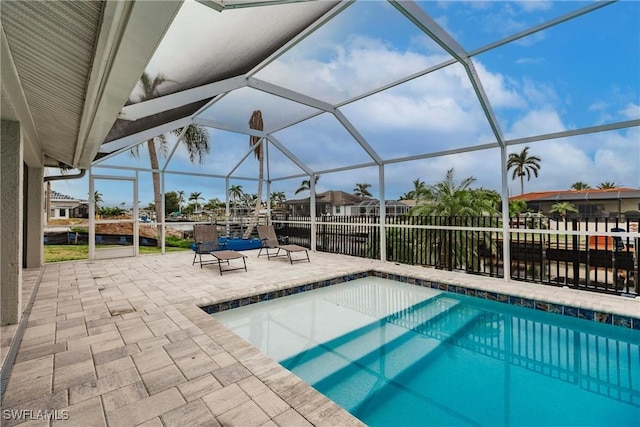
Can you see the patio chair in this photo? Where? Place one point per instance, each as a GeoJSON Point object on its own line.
{"type": "Point", "coordinates": [207, 242]}
{"type": "Point", "coordinates": [270, 241]}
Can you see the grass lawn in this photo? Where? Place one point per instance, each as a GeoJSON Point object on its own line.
{"type": "Point", "coordinates": [58, 253]}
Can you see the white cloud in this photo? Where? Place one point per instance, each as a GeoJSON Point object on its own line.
{"type": "Point", "coordinates": [631, 111]}
{"type": "Point", "coordinates": [529, 61]}
{"type": "Point", "coordinates": [536, 122]}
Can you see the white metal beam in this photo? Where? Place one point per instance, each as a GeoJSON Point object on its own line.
{"type": "Point", "coordinates": [429, 26]}
{"type": "Point", "coordinates": [289, 94]}
{"type": "Point", "coordinates": [559, 20]}
{"type": "Point", "coordinates": [575, 132]}
{"type": "Point", "coordinates": [346, 168]}
{"type": "Point", "coordinates": [251, 149]}
{"type": "Point", "coordinates": [398, 82]}
{"type": "Point", "coordinates": [357, 136]}
{"type": "Point", "coordinates": [167, 102]}
{"type": "Point", "coordinates": [301, 36]}
{"type": "Point", "coordinates": [175, 147]}
{"type": "Point", "coordinates": [217, 5]}
{"type": "Point", "coordinates": [245, 130]}
{"type": "Point", "coordinates": [484, 100]}
{"type": "Point", "coordinates": [220, 5]}
{"type": "Point", "coordinates": [129, 35]}
{"type": "Point", "coordinates": [131, 140]}
{"type": "Point", "coordinates": [289, 154]}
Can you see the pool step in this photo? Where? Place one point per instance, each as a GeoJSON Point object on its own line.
{"type": "Point", "coordinates": [376, 355]}
{"type": "Point", "coordinates": [360, 342]}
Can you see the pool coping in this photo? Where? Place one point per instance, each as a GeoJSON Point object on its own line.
{"type": "Point", "coordinates": [523, 296]}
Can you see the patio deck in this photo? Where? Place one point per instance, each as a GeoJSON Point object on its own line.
{"type": "Point", "coordinates": [122, 342]}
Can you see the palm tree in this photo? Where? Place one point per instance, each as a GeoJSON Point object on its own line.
{"type": "Point", "coordinates": [195, 196]}
{"type": "Point", "coordinates": [523, 165]}
{"type": "Point", "coordinates": [255, 122]}
{"type": "Point", "coordinates": [418, 189]}
{"type": "Point", "coordinates": [449, 203]}
{"type": "Point", "coordinates": [607, 185]}
{"type": "Point", "coordinates": [306, 184]}
{"type": "Point", "coordinates": [214, 204]}
{"type": "Point", "coordinates": [362, 190]}
{"type": "Point", "coordinates": [579, 185]}
{"type": "Point", "coordinates": [277, 198]}
{"type": "Point", "coordinates": [563, 208]}
{"type": "Point", "coordinates": [196, 139]}
{"type": "Point", "coordinates": [180, 200]}
{"type": "Point", "coordinates": [236, 193]}
{"type": "Point", "coordinates": [516, 207]}
{"type": "Point", "coordinates": [97, 199]}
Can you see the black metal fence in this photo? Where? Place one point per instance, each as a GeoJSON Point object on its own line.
{"type": "Point", "coordinates": [571, 253]}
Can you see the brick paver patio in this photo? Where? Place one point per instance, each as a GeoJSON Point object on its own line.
{"type": "Point", "coordinates": [122, 342]}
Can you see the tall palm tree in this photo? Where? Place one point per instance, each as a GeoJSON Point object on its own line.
{"type": "Point", "coordinates": [255, 122]}
{"type": "Point", "coordinates": [236, 193]}
{"type": "Point", "coordinates": [180, 200]}
{"type": "Point", "coordinates": [579, 185]}
{"type": "Point", "coordinates": [362, 190]}
{"type": "Point", "coordinates": [607, 185]}
{"type": "Point", "coordinates": [196, 139]}
{"type": "Point", "coordinates": [305, 185]}
{"type": "Point", "coordinates": [523, 165]}
{"type": "Point", "coordinates": [195, 196]}
{"type": "Point", "coordinates": [450, 202]}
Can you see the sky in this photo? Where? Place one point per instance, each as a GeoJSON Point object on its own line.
{"type": "Point", "coordinates": [585, 72]}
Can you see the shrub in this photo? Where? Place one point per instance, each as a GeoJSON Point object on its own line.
{"type": "Point", "coordinates": [176, 242]}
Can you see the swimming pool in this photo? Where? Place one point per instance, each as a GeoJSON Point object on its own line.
{"type": "Point", "coordinates": [397, 354]}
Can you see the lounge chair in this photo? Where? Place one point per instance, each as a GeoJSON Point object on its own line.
{"type": "Point", "coordinates": [270, 241]}
{"type": "Point", "coordinates": [207, 242]}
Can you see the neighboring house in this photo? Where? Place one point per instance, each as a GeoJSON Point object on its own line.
{"type": "Point", "coordinates": [371, 207]}
{"type": "Point", "coordinates": [592, 203]}
{"type": "Point", "coordinates": [339, 203]}
{"type": "Point", "coordinates": [327, 203]}
{"type": "Point", "coordinates": [65, 207]}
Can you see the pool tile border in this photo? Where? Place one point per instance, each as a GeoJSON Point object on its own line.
{"type": "Point", "coordinates": [565, 310]}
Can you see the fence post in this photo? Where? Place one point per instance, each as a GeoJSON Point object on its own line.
{"type": "Point", "coordinates": [576, 255]}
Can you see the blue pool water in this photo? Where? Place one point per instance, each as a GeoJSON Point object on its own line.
{"type": "Point", "coordinates": [395, 354]}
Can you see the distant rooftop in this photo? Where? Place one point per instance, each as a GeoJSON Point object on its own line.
{"type": "Point", "coordinates": [59, 196]}
{"type": "Point", "coordinates": [574, 195]}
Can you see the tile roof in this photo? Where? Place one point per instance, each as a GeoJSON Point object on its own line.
{"type": "Point", "coordinates": [59, 196]}
{"type": "Point", "coordinates": [335, 198]}
{"type": "Point", "coordinates": [576, 195]}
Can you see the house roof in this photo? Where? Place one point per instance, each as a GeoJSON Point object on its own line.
{"type": "Point", "coordinates": [580, 195]}
{"type": "Point", "coordinates": [376, 202]}
{"type": "Point", "coordinates": [55, 196]}
{"type": "Point", "coordinates": [332, 197]}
